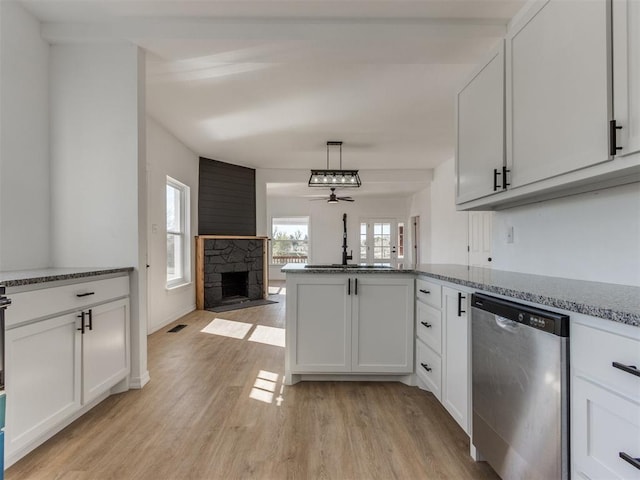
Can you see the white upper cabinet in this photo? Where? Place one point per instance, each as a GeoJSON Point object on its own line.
{"type": "Point", "coordinates": [572, 106]}
{"type": "Point", "coordinates": [480, 130]}
{"type": "Point", "coordinates": [557, 90]}
{"type": "Point", "coordinates": [626, 75]}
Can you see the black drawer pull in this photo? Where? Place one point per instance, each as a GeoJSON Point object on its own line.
{"type": "Point", "coordinates": [426, 367]}
{"type": "Point", "coordinates": [428, 325]}
{"type": "Point", "coordinates": [85, 294]}
{"type": "Point", "coordinates": [632, 369]}
{"type": "Point", "coordinates": [628, 458]}
{"type": "Point", "coordinates": [90, 314]}
{"type": "Point", "coordinates": [425, 291]}
{"type": "Point", "coordinates": [348, 286]}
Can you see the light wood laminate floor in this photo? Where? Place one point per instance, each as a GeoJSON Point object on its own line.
{"type": "Point", "coordinates": [216, 408]}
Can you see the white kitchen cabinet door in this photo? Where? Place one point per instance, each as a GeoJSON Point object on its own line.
{"type": "Point", "coordinates": [42, 378]}
{"type": "Point", "coordinates": [382, 325]}
{"type": "Point", "coordinates": [626, 74]}
{"type": "Point", "coordinates": [105, 348]}
{"type": "Point", "coordinates": [480, 117]}
{"type": "Point", "coordinates": [318, 323]}
{"type": "Point", "coordinates": [456, 362]}
{"type": "Point", "coordinates": [558, 92]}
{"type": "Point", "coordinates": [604, 425]}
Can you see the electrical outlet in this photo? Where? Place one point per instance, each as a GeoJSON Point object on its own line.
{"type": "Point", "coordinates": [509, 234]}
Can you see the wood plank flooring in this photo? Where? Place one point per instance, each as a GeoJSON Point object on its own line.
{"type": "Point", "coordinates": [216, 408]}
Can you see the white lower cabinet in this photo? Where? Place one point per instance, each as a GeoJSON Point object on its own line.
{"type": "Point", "coordinates": [429, 369]}
{"type": "Point", "coordinates": [105, 348]}
{"type": "Point", "coordinates": [58, 365]}
{"type": "Point", "coordinates": [605, 399]}
{"type": "Point", "coordinates": [456, 366]}
{"type": "Point", "coordinates": [42, 377]}
{"type": "Point", "coordinates": [339, 323]}
{"type": "Point", "coordinates": [443, 350]}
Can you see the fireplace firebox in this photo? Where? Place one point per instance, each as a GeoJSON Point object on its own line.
{"type": "Point", "coordinates": [230, 270]}
{"type": "Point", "coordinates": [235, 285]}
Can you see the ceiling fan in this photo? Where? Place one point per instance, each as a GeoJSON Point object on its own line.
{"type": "Point", "coordinates": [333, 198]}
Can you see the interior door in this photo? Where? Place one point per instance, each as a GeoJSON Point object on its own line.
{"type": "Point", "coordinates": [379, 241]}
{"type": "Point", "coordinates": [480, 227]}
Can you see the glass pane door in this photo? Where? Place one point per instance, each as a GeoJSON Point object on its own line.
{"type": "Point", "coordinates": [378, 241]}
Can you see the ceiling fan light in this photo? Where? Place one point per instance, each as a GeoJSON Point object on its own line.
{"type": "Point", "coordinates": [332, 200]}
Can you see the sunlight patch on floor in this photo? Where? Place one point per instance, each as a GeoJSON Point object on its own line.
{"type": "Point", "coordinates": [269, 335]}
{"type": "Point", "coordinates": [265, 387]}
{"type": "Point", "coordinates": [277, 290]}
{"type": "Point", "coordinates": [227, 328]}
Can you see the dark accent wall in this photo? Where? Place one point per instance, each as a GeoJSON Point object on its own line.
{"type": "Point", "coordinates": [226, 199]}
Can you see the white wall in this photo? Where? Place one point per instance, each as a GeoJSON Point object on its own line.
{"type": "Point", "coordinates": [24, 141]}
{"type": "Point", "coordinates": [166, 155]}
{"type": "Point", "coordinates": [98, 186]}
{"type": "Point", "coordinates": [420, 205]}
{"type": "Point", "coordinates": [593, 236]}
{"type": "Point", "coordinates": [449, 228]}
{"type": "Point", "coordinates": [326, 222]}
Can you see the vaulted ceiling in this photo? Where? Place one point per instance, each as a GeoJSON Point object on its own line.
{"type": "Point", "coordinates": [267, 83]}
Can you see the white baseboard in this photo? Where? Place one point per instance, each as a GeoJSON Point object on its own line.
{"type": "Point", "coordinates": [136, 383]}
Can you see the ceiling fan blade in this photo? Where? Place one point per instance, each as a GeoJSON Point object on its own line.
{"type": "Point", "coordinates": [346, 199]}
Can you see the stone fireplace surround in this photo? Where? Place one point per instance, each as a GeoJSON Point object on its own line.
{"type": "Point", "coordinates": [220, 254]}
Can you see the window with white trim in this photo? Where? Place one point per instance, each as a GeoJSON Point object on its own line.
{"type": "Point", "coordinates": [289, 240]}
{"type": "Point", "coordinates": [178, 251]}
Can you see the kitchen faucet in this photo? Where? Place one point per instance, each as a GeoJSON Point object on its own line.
{"type": "Point", "coordinates": [345, 257]}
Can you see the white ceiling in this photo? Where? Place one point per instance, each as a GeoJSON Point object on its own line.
{"type": "Point", "coordinates": [267, 83]}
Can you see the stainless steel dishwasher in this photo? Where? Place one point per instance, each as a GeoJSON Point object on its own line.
{"type": "Point", "coordinates": [520, 396]}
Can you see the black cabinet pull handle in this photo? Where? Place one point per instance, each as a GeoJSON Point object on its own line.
{"type": "Point", "coordinates": [428, 325]}
{"type": "Point", "coordinates": [356, 287]}
{"type": "Point", "coordinates": [628, 458]}
{"type": "Point", "coordinates": [613, 148]}
{"type": "Point", "coordinates": [426, 367]}
{"type": "Point", "coordinates": [495, 179]}
{"type": "Point", "coordinates": [505, 184]}
{"type": "Point", "coordinates": [85, 294]}
{"type": "Point", "coordinates": [460, 298]}
{"type": "Point", "coordinates": [425, 291]}
{"type": "Point", "coordinates": [632, 369]}
{"type": "Point", "coordinates": [90, 314]}
{"type": "Point", "coordinates": [81, 317]}
{"type": "Point", "coordinates": [348, 286]}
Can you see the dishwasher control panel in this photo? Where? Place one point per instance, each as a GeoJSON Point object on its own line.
{"type": "Point", "coordinates": [550, 322]}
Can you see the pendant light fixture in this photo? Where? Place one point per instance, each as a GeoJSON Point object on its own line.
{"type": "Point", "coordinates": [332, 177]}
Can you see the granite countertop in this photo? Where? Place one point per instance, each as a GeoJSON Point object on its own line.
{"type": "Point", "coordinates": [19, 278]}
{"type": "Point", "coordinates": [620, 303]}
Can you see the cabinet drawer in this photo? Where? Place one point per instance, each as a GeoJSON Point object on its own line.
{"type": "Point", "coordinates": [594, 352]}
{"type": "Point", "coordinates": [604, 424]}
{"type": "Point", "coordinates": [429, 325]}
{"type": "Point", "coordinates": [35, 304]}
{"type": "Point", "coordinates": [428, 292]}
{"type": "Point", "coordinates": [429, 368]}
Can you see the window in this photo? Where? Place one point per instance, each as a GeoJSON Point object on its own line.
{"type": "Point", "coordinates": [289, 240]}
{"type": "Point", "coordinates": [401, 240]}
{"type": "Point", "coordinates": [178, 264]}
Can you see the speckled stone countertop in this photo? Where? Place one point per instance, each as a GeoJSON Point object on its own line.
{"type": "Point", "coordinates": [353, 268]}
{"type": "Point", "coordinates": [620, 303]}
{"type": "Point", "coordinates": [19, 278]}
